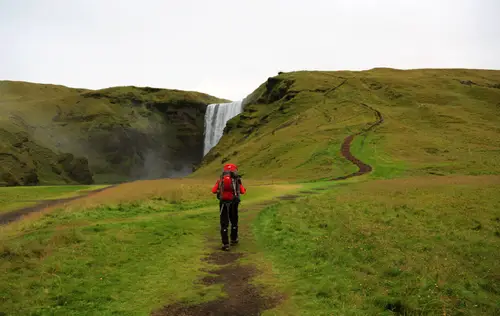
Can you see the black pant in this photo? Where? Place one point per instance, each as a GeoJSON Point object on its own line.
{"type": "Point", "coordinates": [228, 213]}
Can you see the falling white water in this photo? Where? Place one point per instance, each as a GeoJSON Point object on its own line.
{"type": "Point", "coordinates": [216, 118]}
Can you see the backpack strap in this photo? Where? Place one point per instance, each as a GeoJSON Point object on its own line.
{"type": "Point", "coordinates": [236, 185]}
{"type": "Point", "coordinates": [233, 186]}
{"type": "Point", "coordinates": [221, 187]}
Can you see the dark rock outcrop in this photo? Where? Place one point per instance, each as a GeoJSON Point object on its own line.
{"type": "Point", "coordinates": [25, 162]}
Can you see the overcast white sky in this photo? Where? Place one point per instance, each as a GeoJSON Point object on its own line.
{"type": "Point", "coordinates": [228, 47]}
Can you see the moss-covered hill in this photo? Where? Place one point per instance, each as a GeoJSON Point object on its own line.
{"type": "Point", "coordinates": [53, 134]}
{"type": "Point", "coordinates": [435, 122]}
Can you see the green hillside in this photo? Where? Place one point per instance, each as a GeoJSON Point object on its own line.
{"type": "Point", "coordinates": [53, 134]}
{"type": "Point", "coordinates": [418, 235]}
{"type": "Point", "coordinates": [435, 122]}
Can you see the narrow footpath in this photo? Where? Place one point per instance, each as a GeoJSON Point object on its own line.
{"type": "Point", "coordinates": [241, 297]}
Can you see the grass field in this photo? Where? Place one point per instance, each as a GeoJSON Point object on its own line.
{"type": "Point", "coordinates": [98, 256]}
{"type": "Point", "coordinates": [12, 198]}
{"type": "Point", "coordinates": [419, 235]}
{"type": "Point", "coordinates": [419, 245]}
{"type": "Point", "coordinates": [414, 246]}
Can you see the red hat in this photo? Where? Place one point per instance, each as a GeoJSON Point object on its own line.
{"type": "Point", "coordinates": [230, 167]}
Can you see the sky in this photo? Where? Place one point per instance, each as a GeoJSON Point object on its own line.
{"type": "Point", "coordinates": [227, 48]}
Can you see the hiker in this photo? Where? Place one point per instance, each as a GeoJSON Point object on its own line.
{"type": "Point", "coordinates": [228, 189]}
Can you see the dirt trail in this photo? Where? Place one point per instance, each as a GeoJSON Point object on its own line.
{"type": "Point", "coordinates": [8, 217]}
{"type": "Point", "coordinates": [244, 299]}
{"type": "Point", "coordinates": [345, 149]}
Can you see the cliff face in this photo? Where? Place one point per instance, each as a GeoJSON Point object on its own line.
{"type": "Point", "coordinates": [125, 133]}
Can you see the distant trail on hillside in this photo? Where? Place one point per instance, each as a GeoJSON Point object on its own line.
{"type": "Point", "coordinates": [345, 149]}
{"type": "Point", "coordinates": [9, 217]}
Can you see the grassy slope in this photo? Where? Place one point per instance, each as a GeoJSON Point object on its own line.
{"type": "Point", "coordinates": [433, 124]}
{"type": "Point", "coordinates": [118, 129]}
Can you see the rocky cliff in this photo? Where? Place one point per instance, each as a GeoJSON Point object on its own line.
{"type": "Point", "coordinates": [54, 134]}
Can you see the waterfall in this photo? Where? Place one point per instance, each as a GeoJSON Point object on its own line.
{"type": "Point", "coordinates": [216, 117]}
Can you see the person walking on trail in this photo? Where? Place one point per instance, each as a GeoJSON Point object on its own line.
{"type": "Point", "coordinates": [228, 189]}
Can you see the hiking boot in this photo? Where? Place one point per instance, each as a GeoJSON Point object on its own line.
{"type": "Point", "coordinates": [225, 247]}
{"type": "Point", "coordinates": [234, 242]}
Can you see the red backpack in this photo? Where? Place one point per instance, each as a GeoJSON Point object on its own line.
{"type": "Point", "coordinates": [229, 186]}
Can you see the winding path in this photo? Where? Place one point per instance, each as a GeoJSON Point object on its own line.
{"type": "Point", "coordinates": [243, 298]}
{"type": "Point", "coordinates": [345, 149]}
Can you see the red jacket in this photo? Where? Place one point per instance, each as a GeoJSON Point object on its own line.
{"type": "Point", "coordinates": [227, 195]}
